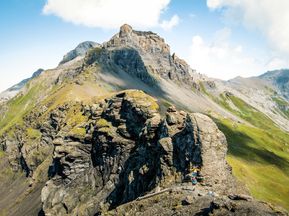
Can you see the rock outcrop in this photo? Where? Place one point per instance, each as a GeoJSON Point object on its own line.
{"type": "Point", "coordinates": [127, 150]}
{"type": "Point", "coordinates": [104, 155]}
{"type": "Point", "coordinates": [144, 55]}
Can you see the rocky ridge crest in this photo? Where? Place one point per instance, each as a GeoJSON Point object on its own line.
{"type": "Point", "coordinates": [144, 55]}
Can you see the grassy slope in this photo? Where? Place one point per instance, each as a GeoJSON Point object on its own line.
{"type": "Point", "coordinates": [282, 105]}
{"type": "Point", "coordinates": [17, 108]}
{"type": "Point", "coordinates": [39, 92]}
{"type": "Point", "coordinates": [259, 154]}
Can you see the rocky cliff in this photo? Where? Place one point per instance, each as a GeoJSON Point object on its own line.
{"type": "Point", "coordinates": [146, 56]}
{"type": "Point", "coordinates": [128, 151]}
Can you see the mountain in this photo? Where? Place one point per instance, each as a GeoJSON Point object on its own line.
{"type": "Point", "coordinates": [79, 51]}
{"type": "Point", "coordinates": [279, 79]}
{"type": "Point", "coordinates": [117, 130]}
{"type": "Point", "coordinates": [12, 91]}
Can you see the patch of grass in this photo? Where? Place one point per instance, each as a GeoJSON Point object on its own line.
{"type": "Point", "coordinates": [282, 105]}
{"type": "Point", "coordinates": [203, 89]}
{"type": "Point", "coordinates": [18, 107]}
{"type": "Point", "coordinates": [74, 117]}
{"type": "Point", "coordinates": [105, 127]}
{"type": "Point", "coordinates": [37, 156]}
{"type": "Point", "coordinates": [271, 91]}
{"type": "Point", "coordinates": [260, 159]}
{"type": "Point", "coordinates": [246, 112]}
{"type": "Point", "coordinates": [2, 154]}
{"type": "Point", "coordinates": [78, 132]}
{"type": "Point", "coordinates": [33, 133]}
{"type": "Point", "coordinates": [102, 123]}
{"type": "Point", "coordinates": [143, 98]}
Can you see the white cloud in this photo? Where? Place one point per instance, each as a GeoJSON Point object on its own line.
{"type": "Point", "coordinates": [111, 13]}
{"type": "Point", "coordinates": [169, 24]}
{"type": "Point", "coordinates": [270, 17]}
{"type": "Point", "coordinates": [222, 59]}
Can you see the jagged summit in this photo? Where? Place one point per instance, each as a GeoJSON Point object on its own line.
{"type": "Point", "coordinates": [145, 55]}
{"type": "Point", "coordinates": [125, 30]}
{"type": "Point", "coordinates": [145, 41]}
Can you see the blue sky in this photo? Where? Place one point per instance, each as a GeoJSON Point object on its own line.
{"type": "Point", "coordinates": [221, 38]}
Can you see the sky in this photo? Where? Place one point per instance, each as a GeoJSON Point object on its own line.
{"type": "Point", "coordinates": [220, 38]}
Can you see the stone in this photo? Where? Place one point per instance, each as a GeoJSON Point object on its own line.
{"type": "Point", "coordinates": [240, 197]}
{"type": "Point", "coordinates": [125, 30]}
{"type": "Point", "coordinates": [167, 144]}
{"type": "Point", "coordinates": [188, 200]}
{"type": "Point", "coordinates": [172, 109]}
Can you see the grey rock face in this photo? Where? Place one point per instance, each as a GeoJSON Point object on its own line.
{"type": "Point", "coordinates": [80, 50]}
{"type": "Point", "coordinates": [128, 151]}
{"type": "Point", "coordinates": [144, 55]}
{"type": "Point", "coordinates": [279, 79]}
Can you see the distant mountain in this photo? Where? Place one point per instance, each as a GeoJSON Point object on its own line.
{"type": "Point", "coordinates": [279, 79]}
{"type": "Point", "coordinates": [12, 91]}
{"type": "Point", "coordinates": [113, 130]}
{"type": "Point", "coordinates": [80, 50]}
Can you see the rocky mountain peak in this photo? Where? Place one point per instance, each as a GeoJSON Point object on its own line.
{"type": "Point", "coordinates": [144, 41]}
{"type": "Point", "coordinates": [125, 30]}
{"type": "Point", "coordinates": [37, 73]}
{"type": "Point", "coordinates": [80, 50]}
{"type": "Point", "coordinates": [145, 55]}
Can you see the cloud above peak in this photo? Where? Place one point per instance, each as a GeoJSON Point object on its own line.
{"type": "Point", "coordinates": [220, 58]}
{"type": "Point", "coordinates": [169, 24]}
{"type": "Point", "coordinates": [111, 14]}
{"type": "Point", "coordinates": [269, 17]}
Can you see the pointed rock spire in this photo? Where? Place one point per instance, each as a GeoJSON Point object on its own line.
{"type": "Point", "coordinates": [125, 30]}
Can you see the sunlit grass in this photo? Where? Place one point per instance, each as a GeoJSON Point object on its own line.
{"type": "Point", "coordinates": [260, 159]}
